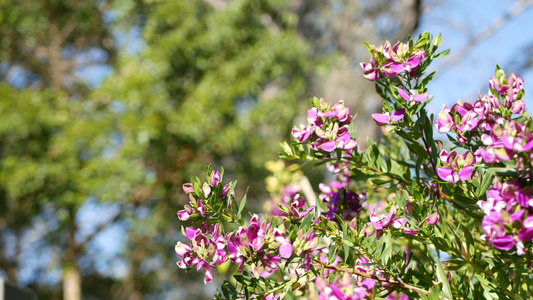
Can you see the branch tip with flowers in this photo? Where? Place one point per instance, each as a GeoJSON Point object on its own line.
{"type": "Point", "coordinates": [408, 217]}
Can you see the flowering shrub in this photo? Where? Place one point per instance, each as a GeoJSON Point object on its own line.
{"type": "Point", "coordinates": [410, 217]}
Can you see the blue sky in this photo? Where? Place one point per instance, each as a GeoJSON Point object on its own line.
{"type": "Point", "coordinates": [460, 21]}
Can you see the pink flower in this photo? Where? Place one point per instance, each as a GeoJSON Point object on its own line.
{"type": "Point", "coordinates": [224, 191]}
{"type": "Point", "coordinates": [444, 121]}
{"type": "Point", "coordinates": [185, 214]}
{"type": "Point", "coordinates": [431, 220]}
{"type": "Point", "coordinates": [188, 188]}
{"type": "Point", "coordinates": [214, 179]}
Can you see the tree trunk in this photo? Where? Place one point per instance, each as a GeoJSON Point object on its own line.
{"type": "Point", "coordinates": [71, 283]}
{"type": "Point", "coordinates": [71, 274]}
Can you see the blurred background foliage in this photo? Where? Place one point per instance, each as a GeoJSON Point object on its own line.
{"type": "Point", "coordinates": [108, 106]}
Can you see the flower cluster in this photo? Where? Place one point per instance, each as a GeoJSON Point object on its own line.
{"type": "Point", "coordinates": [196, 206]}
{"type": "Point", "coordinates": [337, 195]}
{"type": "Point", "coordinates": [328, 127]}
{"type": "Point", "coordinates": [399, 62]}
{"type": "Point", "coordinates": [481, 123]}
{"type": "Point", "coordinates": [490, 127]}
{"type": "Point", "coordinates": [289, 192]}
{"type": "Point", "coordinates": [508, 220]}
{"type": "Point", "coordinates": [260, 243]}
{"type": "Point", "coordinates": [206, 250]}
{"type": "Point", "coordinates": [506, 140]}
{"type": "Point", "coordinates": [379, 223]}
{"type": "Point", "coordinates": [385, 202]}
{"type": "Point", "coordinates": [390, 60]}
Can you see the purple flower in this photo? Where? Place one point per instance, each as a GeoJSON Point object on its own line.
{"type": "Point", "coordinates": [397, 296]}
{"type": "Point", "coordinates": [224, 192]}
{"type": "Point", "coordinates": [371, 72]}
{"type": "Point", "coordinates": [185, 214]}
{"type": "Point", "coordinates": [387, 118]}
{"type": "Point", "coordinates": [377, 224]}
{"type": "Point", "coordinates": [203, 252]}
{"type": "Point", "coordinates": [336, 138]}
{"type": "Point", "coordinates": [459, 166]}
{"type": "Point", "coordinates": [303, 133]}
{"type": "Point", "coordinates": [296, 207]}
{"type": "Point", "coordinates": [412, 96]}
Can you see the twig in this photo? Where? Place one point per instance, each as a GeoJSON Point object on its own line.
{"type": "Point", "coordinates": [379, 278]}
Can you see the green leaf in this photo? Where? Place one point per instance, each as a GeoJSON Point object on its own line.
{"type": "Point", "coordinates": [442, 54]}
{"type": "Point", "coordinates": [287, 149]}
{"type": "Point", "coordinates": [486, 181]}
{"type": "Point", "coordinates": [488, 288]}
{"type": "Point", "coordinates": [435, 292]}
{"type": "Point", "coordinates": [346, 252]}
{"type": "Point", "coordinates": [368, 48]}
{"type": "Point", "coordinates": [441, 276]}
{"type": "Point", "coordinates": [208, 173]}
{"type": "Point", "coordinates": [306, 221]}
{"type": "Point", "coordinates": [241, 205]}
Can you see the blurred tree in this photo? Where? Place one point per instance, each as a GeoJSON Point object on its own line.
{"type": "Point", "coordinates": [206, 82]}
{"type": "Point", "coordinates": [213, 84]}
{"type": "Point", "coordinates": [50, 141]}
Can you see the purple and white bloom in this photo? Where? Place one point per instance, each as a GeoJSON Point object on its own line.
{"type": "Point", "coordinates": [185, 214]}
{"type": "Point", "coordinates": [194, 208]}
{"type": "Point", "coordinates": [297, 205]}
{"type": "Point", "coordinates": [224, 191]}
{"type": "Point", "coordinates": [371, 72]}
{"type": "Point", "coordinates": [204, 252]}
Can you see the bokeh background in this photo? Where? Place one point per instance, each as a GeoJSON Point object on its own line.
{"type": "Point", "coordinates": [107, 107]}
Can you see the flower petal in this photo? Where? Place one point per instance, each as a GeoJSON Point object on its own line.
{"type": "Point", "coordinates": [398, 115]}
{"type": "Point", "coordinates": [285, 251]}
{"type": "Point", "coordinates": [381, 119]}
{"type": "Point", "coordinates": [403, 94]}
{"type": "Point", "coordinates": [465, 173]}
{"type": "Point", "coordinates": [328, 146]}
